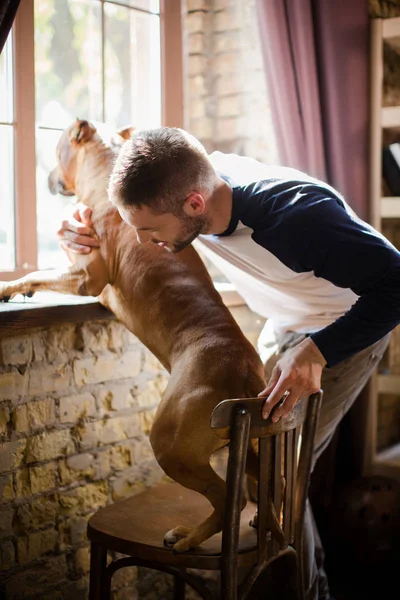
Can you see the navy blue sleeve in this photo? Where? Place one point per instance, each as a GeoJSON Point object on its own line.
{"type": "Point", "coordinates": [318, 234]}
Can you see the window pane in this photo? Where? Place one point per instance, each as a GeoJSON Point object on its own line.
{"type": "Point", "coordinates": [150, 5]}
{"type": "Point", "coordinates": [6, 83]}
{"type": "Point", "coordinates": [67, 61]}
{"type": "Point", "coordinates": [132, 68]}
{"type": "Point", "coordinates": [7, 222]}
{"type": "Point", "coordinates": [50, 209]}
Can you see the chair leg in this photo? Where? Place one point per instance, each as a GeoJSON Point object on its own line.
{"type": "Point", "coordinates": [98, 563]}
{"type": "Point", "coordinates": [179, 588]}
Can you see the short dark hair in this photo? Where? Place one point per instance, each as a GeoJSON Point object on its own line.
{"type": "Point", "coordinates": [159, 168]}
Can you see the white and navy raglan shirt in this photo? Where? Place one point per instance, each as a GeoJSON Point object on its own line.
{"type": "Point", "coordinates": [299, 256]}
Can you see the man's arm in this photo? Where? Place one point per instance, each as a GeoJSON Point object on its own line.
{"type": "Point", "coordinates": [76, 233]}
{"type": "Point", "coordinates": [323, 237]}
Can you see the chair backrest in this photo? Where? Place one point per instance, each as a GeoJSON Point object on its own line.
{"type": "Point", "coordinates": [284, 466]}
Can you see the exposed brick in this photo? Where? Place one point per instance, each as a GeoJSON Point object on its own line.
{"type": "Point", "coordinates": [197, 85]}
{"type": "Point", "coordinates": [6, 520]}
{"type": "Point", "coordinates": [53, 344]}
{"type": "Point", "coordinates": [227, 20]}
{"type": "Point", "coordinates": [228, 84]}
{"type": "Point", "coordinates": [73, 408]}
{"type": "Point", "coordinates": [11, 455]}
{"type": "Point", "coordinates": [226, 62]}
{"type": "Point", "coordinates": [227, 41]}
{"type": "Point", "coordinates": [196, 64]}
{"type": "Point", "coordinates": [108, 431]}
{"type": "Point", "coordinates": [196, 43]}
{"type": "Point", "coordinates": [150, 396]}
{"type": "Point", "coordinates": [72, 532]}
{"type": "Point", "coordinates": [198, 21]}
{"type": "Point", "coordinates": [36, 544]}
{"type": "Point", "coordinates": [120, 338]}
{"type": "Point", "coordinates": [133, 481]}
{"type": "Point", "coordinates": [6, 488]}
{"type": "Point", "coordinates": [35, 480]}
{"type": "Point", "coordinates": [198, 4]}
{"type": "Point", "coordinates": [94, 336]}
{"type": "Point", "coordinates": [45, 378]}
{"type": "Point", "coordinates": [4, 419]}
{"type": "Point", "coordinates": [76, 468]}
{"type": "Point", "coordinates": [152, 364]}
{"type": "Point", "coordinates": [47, 446]}
{"type": "Point", "coordinates": [33, 415]}
{"type": "Point", "coordinates": [23, 483]}
{"type": "Point", "coordinates": [87, 497]}
{"type": "Point", "coordinates": [13, 384]}
{"type": "Point", "coordinates": [116, 396]}
{"type": "Point", "coordinates": [146, 420]}
{"type": "Point", "coordinates": [42, 478]}
{"type": "Point", "coordinates": [202, 129]}
{"type": "Point", "coordinates": [7, 556]}
{"type": "Point", "coordinates": [16, 350]}
{"type": "Point", "coordinates": [82, 560]}
{"type": "Point", "coordinates": [107, 366]}
{"type": "Point", "coordinates": [41, 511]}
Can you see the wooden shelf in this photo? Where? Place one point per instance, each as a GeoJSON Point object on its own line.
{"type": "Point", "coordinates": [390, 207]}
{"type": "Point", "coordinates": [389, 384]}
{"type": "Point", "coordinates": [390, 116]}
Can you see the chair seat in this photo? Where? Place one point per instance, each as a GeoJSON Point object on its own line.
{"type": "Point", "coordinates": [137, 526]}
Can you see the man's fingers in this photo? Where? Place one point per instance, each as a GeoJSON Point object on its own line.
{"type": "Point", "coordinates": [286, 406]}
{"type": "Point", "coordinates": [274, 397]}
{"type": "Point", "coordinates": [75, 227]}
{"type": "Point", "coordinates": [85, 214]}
{"type": "Point", "coordinates": [67, 245]}
{"type": "Point", "coordinates": [77, 238]}
{"type": "Point", "coordinates": [82, 213]}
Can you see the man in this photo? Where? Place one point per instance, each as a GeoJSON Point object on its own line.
{"type": "Point", "coordinates": [327, 282]}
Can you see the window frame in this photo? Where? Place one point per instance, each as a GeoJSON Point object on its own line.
{"type": "Point", "coordinates": [26, 248]}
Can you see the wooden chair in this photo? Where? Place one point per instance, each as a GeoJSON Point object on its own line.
{"type": "Point", "coordinates": [135, 527]}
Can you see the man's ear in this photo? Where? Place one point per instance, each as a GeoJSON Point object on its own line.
{"type": "Point", "coordinates": [126, 132]}
{"type": "Point", "coordinates": [83, 131]}
{"type": "Point", "coordinates": [194, 205]}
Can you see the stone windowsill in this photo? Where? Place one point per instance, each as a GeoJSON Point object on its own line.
{"type": "Point", "coordinates": [52, 308]}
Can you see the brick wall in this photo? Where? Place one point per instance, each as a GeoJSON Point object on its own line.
{"type": "Point", "coordinates": [76, 406]}
{"type": "Point", "coordinates": [226, 104]}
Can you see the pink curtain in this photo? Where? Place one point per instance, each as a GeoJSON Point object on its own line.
{"type": "Point", "coordinates": [316, 62]}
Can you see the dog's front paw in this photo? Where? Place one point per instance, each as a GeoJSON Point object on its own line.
{"type": "Point", "coordinates": [5, 294]}
{"type": "Point", "coordinates": [177, 539]}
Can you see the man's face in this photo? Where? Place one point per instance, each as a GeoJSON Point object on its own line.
{"type": "Point", "coordinates": [168, 231]}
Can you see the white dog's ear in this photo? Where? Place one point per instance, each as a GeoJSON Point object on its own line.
{"type": "Point", "coordinates": [83, 131]}
{"type": "Point", "coordinates": [126, 132]}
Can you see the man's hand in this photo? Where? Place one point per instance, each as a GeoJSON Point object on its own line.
{"type": "Point", "coordinates": [75, 234]}
{"type": "Point", "coordinates": [295, 375]}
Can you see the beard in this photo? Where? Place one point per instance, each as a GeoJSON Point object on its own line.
{"type": "Point", "coordinates": [191, 228]}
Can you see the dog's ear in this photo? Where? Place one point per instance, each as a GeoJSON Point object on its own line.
{"type": "Point", "coordinates": [126, 132]}
{"type": "Point", "coordinates": [82, 131]}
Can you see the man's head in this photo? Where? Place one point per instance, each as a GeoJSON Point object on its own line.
{"type": "Point", "coordinates": [160, 184]}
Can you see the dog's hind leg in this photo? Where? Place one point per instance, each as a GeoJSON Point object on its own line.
{"type": "Point", "coordinates": [201, 478]}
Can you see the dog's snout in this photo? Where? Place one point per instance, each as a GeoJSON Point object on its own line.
{"type": "Point", "coordinates": [57, 185]}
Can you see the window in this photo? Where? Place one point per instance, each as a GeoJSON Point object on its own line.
{"type": "Point", "coordinates": [100, 60]}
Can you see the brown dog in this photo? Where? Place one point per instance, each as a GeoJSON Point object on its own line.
{"type": "Point", "coordinates": [169, 302]}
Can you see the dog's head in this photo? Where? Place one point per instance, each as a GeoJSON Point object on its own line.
{"type": "Point", "coordinates": [63, 178]}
